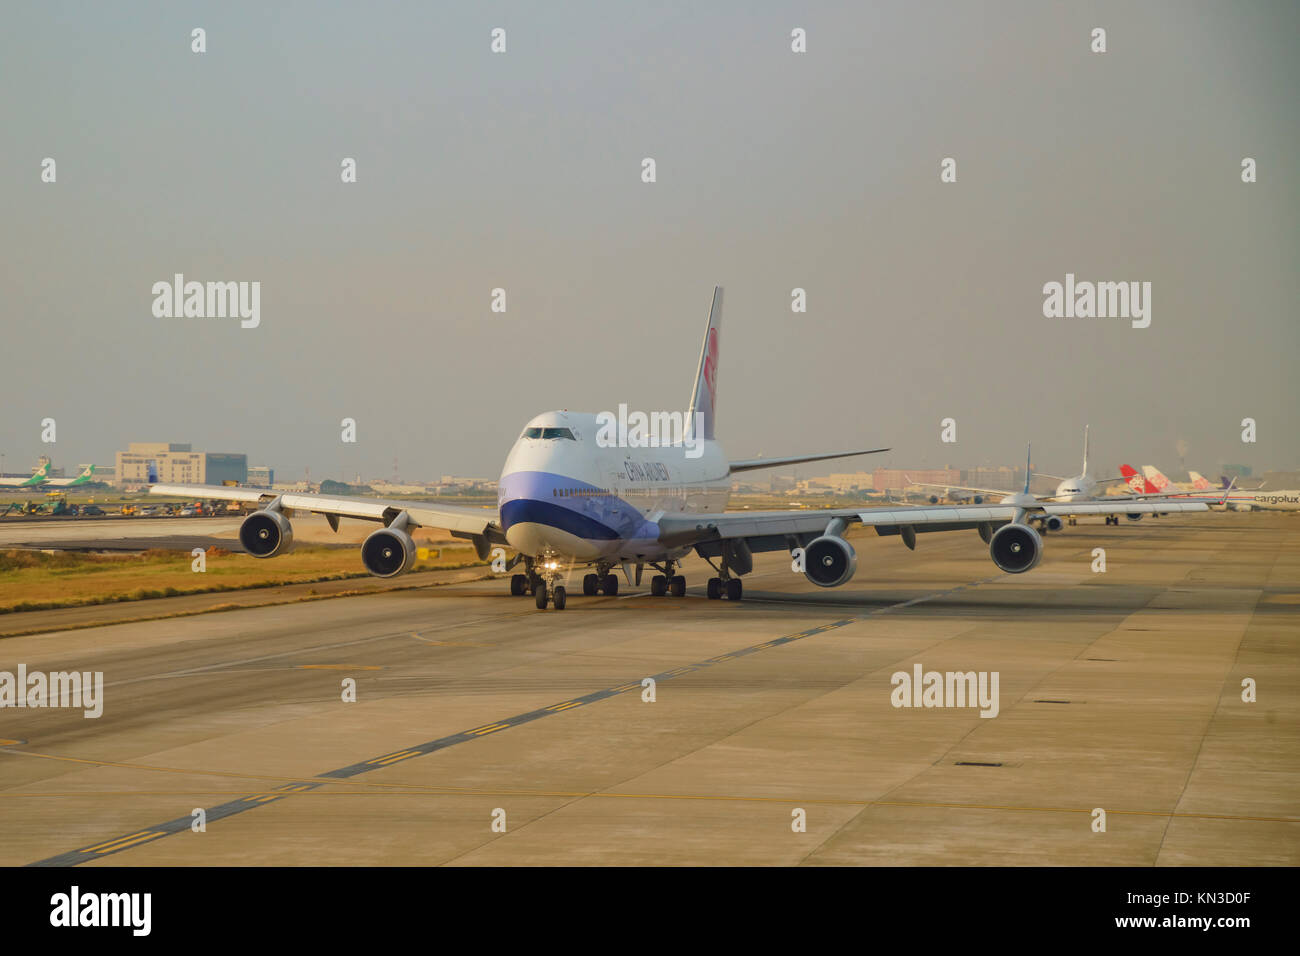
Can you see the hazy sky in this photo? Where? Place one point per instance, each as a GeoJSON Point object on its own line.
{"type": "Point", "coordinates": [775, 170]}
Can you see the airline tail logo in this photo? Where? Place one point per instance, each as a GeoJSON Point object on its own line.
{"type": "Point", "coordinates": [1136, 482]}
{"type": "Point", "coordinates": [711, 368]}
{"type": "Point", "coordinates": [1155, 477]}
{"type": "Point", "coordinates": [704, 396]}
{"type": "Point", "coordinates": [1199, 481]}
{"type": "Point", "coordinates": [152, 472]}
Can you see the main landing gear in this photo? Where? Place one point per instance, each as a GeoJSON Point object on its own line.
{"type": "Point", "coordinates": [731, 588]}
{"type": "Point", "coordinates": [602, 582]}
{"type": "Point", "coordinates": [668, 582]}
{"type": "Point", "coordinates": [724, 585]}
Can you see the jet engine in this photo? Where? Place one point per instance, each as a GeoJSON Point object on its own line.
{"type": "Point", "coordinates": [829, 561]}
{"type": "Point", "coordinates": [1134, 516]}
{"type": "Point", "coordinates": [1016, 548]}
{"type": "Point", "coordinates": [1053, 523]}
{"type": "Point", "coordinates": [266, 533]}
{"type": "Point", "coordinates": [389, 551]}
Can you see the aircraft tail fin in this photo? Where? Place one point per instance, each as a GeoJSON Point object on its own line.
{"type": "Point", "coordinates": [1085, 451]}
{"type": "Point", "coordinates": [1156, 478]}
{"type": "Point", "coordinates": [704, 395]}
{"type": "Point", "coordinates": [1137, 483]}
{"type": "Point", "coordinates": [152, 472]}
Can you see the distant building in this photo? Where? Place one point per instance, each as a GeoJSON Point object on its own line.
{"type": "Point", "coordinates": [178, 463]}
{"type": "Point", "coordinates": [451, 484]}
{"type": "Point", "coordinates": [1003, 477]}
{"type": "Point", "coordinates": [303, 487]}
{"type": "Point", "coordinates": [261, 476]}
{"type": "Point", "coordinates": [896, 479]}
{"type": "Point", "coordinates": [392, 488]}
{"type": "Point", "coordinates": [844, 482]}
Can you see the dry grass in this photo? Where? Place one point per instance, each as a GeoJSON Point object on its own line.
{"type": "Point", "coordinates": [37, 581]}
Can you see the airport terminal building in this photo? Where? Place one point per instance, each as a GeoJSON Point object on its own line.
{"type": "Point", "coordinates": [179, 464]}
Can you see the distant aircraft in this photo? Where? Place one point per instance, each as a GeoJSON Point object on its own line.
{"type": "Point", "coordinates": [81, 479]}
{"type": "Point", "coordinates": [41, 476]}
{"type": "Point", "coordinates": [567, 498]}
{"type": "Point", "coordinates": [1255, 499]}
{"type": "Point", "coordinates": [1080, 488]}
{"type": "Point", "coordinates": [1163, 484]}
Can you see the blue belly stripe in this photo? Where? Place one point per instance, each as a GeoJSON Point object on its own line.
{"type": "Point", "coordinates": [532, 511]}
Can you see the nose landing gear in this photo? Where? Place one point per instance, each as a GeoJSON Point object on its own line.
{"type": "Point", "coordinates": [546, 582]}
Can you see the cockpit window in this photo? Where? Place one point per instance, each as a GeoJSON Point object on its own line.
{"type": "Point", "coordinates": [549, 433]}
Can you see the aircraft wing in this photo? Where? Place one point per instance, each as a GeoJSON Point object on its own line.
{"type": "Point", "coordinates": [750, 464]}
{"type": "Point", "coordinates": [978, 491]}
{"type": "Point", "coordinates": [466, 520]}
{"type": "Point", "coordinates": [783, 530]}
{"type": "Point", "coordinates": [1122, 506]}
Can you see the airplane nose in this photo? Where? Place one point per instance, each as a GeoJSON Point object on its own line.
{"type": "Point", "coordinates": [527, 537]}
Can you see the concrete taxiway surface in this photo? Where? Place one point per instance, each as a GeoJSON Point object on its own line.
{"type": "Point", "coordinates": [1119, 690]}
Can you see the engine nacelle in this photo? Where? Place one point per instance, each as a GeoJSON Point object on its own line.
{"type": "Point", "coordinates": [829, 561]}
{"type": "Point", "coordinates": [388, 552]}
{"type": "Point", "coordinates": [978, 499]}
{"type": "Point", "coordinates": [1016, 548]}
{"type": "Point", "coordinates": [1053, 523]}
{"type": "Point", "coordinates": [934, 499]}
{"type": "Point", "coordinates": [1134, 516]}
{"type": "Point", "coordinates": [264, 534]}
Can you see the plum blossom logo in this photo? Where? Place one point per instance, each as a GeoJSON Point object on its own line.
{"type": "Point", "coordinates": [711, 368]}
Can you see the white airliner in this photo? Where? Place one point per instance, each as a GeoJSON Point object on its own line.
{"type": "Point", "coordinates": [39, 477]}
{"type": "Point", "coordinates": [1082, 487]}
{"type": "Point", "coordinates": [86, 475]}
{"type": "Point", "coordinates": [565, 500]}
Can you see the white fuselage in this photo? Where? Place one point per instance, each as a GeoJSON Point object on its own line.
{"type": "Point", "coordinates": [576, 500]}
{"type": "Point", "coordinates": [1079, 488]}
{"type": "Point", "coordinates": [1281, 500]}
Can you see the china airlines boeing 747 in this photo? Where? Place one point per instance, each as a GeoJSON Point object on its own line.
{"type": "Point", "coordinates": [570, 498]}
